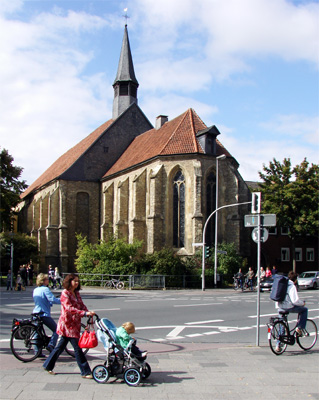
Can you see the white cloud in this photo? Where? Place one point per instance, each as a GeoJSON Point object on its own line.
{"type": "Point", "coordinates": [230, 31]}
{"type": "Point", "coordinates": [253, 154]}
{"type": "Point", "coordinates": [173, 106]}
{"type": "Point", "coordinates": [302, 126]}
{"type": "Point", "coordinates": [47, 106]}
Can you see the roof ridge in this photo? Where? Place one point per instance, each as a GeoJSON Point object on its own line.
{"type": "Point", "coordinates": [174, 131]}
{"type": "Point", "coordinates": [193, 128]}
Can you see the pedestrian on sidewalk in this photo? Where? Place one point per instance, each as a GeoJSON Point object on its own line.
{"type": "Point", "coordinates": [69, 326]}
{"type": "Point", "coordinates": [9, 285]}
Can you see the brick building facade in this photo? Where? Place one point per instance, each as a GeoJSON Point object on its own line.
{"type": "Point", "coordinates": [131, 180]}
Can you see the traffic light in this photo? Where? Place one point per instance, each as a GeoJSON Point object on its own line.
{"type": "Point", "coordinates": [8, 250]}
{"type": "Point", "coordinates": [207, 252]}
{"type": "Point", "coordinates": [255, 203]}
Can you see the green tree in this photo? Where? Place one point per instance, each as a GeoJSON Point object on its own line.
{"type": "Point", "coordinates": [114, 257]}
{"type": "Point", "coordinates": [25, 248]}
{"type": "Point", "coordinates": [10, 189]}
{"type": "Point", "coordinates": [292, 194]}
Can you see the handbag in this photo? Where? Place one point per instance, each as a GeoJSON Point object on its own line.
{"type": "Point", "coordinates": [88, 339]}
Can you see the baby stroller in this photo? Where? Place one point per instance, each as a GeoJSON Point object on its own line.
{"type": "Point", "coordinates": [120, 363]}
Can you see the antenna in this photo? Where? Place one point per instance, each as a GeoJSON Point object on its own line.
{"type": "Point", "coordinates": [125, 16]}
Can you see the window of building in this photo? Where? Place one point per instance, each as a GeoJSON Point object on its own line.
{"type": "Point", "coordinates": [285, 254]}
{"type": "Point", "coordinates": [298, 254]}
{"type": "Point", "coordinates": [285, 230]}
{"type": "Point", "coordinates": [82, 214]}
{"type": "Point", "coordinates": [123, 89]}
{"type": "Point", "coordinates": [272, 230]}
{"type": "Point", "coordinates": [210, 207]}
{"type": "Point", "coordinates": [179, 210]}
{"type": "Point", "coordinates": [310, 255]}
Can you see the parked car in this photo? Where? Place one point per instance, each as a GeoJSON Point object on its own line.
{"type": "Point", "coordinates": [309, 279]}
{"type": "Point", "coordinates": [266, 284]}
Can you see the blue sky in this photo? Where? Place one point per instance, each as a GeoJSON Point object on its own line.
{"type": "Point", "coordinates": [250, 67]}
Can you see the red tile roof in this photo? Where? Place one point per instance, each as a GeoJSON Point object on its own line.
{"type": "Point", "coordinates": [67, 159]}
{"type": "Point", "coordinates": [177, 136]}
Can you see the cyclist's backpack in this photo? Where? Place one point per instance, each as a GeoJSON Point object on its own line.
{"type": "Point", "coordinates": [279, 288]}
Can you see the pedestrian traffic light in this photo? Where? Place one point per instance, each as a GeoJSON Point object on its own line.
{"type": "Point", "coordinates": [207, 252]}
{"type": "Point", "coordinates": [256, 203]}
{"type": "Point", "coordinates": [8, 250]}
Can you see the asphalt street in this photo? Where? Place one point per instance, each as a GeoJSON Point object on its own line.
{"type": "Point", "coordinates": [201, 345]}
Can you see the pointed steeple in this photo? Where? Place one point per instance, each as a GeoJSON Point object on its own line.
{"type": "Point", "coordinates": [125, 84]}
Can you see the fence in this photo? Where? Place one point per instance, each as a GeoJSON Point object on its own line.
{"type": "Point", "coordinates": [142, 281]}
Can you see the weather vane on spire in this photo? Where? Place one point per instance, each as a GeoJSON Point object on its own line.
{"type": "Point", "coordinates": [126, 16]}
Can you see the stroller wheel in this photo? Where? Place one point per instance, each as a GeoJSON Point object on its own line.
{"type": "Point", "coordinates": [100, 374]}
{"type": "Point", "coordinates": [146, 371]}
{"type": "Point", "coordinates": [132, 377]}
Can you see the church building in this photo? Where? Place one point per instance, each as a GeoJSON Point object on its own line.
{"type": "Point", "coordinates": [131, 180]}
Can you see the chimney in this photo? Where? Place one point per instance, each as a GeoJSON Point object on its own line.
{"type": "Point", "coordinates": [160, 121]}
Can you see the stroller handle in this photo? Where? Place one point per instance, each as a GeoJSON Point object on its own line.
{"type": "Point", "coordinates": [91, 319]}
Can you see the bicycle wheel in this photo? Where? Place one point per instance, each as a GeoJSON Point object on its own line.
{"type": "Point", "coordinates": [235, 285]}
{"type": "Point", "coordinates": [276, 335]}
{"type": "Point", "coordinates": [108, 285]}
{"type": "Point", "coordinates": [22, 343]}
{"type": "Point", "coordinates": [69, 349]}
{"type": "Point", "coordinates": [120, 285]}
{"type": "Point", "coordinates": [309, 338]}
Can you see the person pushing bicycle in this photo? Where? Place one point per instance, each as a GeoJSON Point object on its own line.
{"type": "Point", "coordinates": [293, 304]}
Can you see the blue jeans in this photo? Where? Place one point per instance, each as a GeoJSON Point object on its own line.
{"type": "Point", "coordinates": [60, 347]}
{"type": "Point", "coordinates": [303, 315]}
{"type": "Point", "coordinates": [51, 324]}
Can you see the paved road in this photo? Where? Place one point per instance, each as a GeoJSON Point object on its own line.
{"type": "Point", "coordinates": [217, 316]}
{"type": "Point", "coordinates": [188, 360]}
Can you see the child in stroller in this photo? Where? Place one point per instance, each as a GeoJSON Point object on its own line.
{"type": "Point", "coordinates": [120, 362]}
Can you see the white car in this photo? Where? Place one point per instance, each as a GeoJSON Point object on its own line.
{"type": "Point", "coordinates": [309, 279]}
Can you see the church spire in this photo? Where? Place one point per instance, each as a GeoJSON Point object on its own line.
{"type": "Point", "coordinates": [125, 84]}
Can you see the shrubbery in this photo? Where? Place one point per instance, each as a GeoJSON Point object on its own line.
{"type": "Point", "coordinates": [117, 257]}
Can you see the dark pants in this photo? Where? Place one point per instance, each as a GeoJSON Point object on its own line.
{"type": "Point", "coordinates": [51, 324]}
{"type": "Point", "coordinates": [60, 347]}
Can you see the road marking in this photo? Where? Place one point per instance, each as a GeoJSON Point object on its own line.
{"type": "Point", "coordinates": [20, 305]}
{"type": "Point", "coordinates": [196, 305]}
{"type": "Point", "coordinates": [204, 322]}
{"type": "Point", "coordinates": [175, 332]}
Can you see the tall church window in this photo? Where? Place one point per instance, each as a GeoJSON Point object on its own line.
{"type": "Point", "coordinates": [82, 214]}
{"type": "Point", "coordinates": [179, 210]}
{"type": "Point", "coordinates": [210, 207]}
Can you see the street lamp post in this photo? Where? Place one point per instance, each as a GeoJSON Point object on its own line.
{"type": "Point", "coordinates": [222, 157]}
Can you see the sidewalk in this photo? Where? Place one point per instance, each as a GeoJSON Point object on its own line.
{"type": "Point", "coordinates": [179, 371]}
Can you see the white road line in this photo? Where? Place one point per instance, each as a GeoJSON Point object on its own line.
{"type": "Point", "coordinates": [211, 333]}
{"type": "Point", "coordinates": [196, 305]}
{"type": "Point", "coordinates": [204, 322]}
{"type": "Point", "coordinates": [175, 332]}
{"type": "Point", "coordinates": [19, 305]}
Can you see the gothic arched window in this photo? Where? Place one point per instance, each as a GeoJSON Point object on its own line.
{"type": "Point", "coordinates": [178, 210]}
{"type": "Point", "coordinates": [82, 214]}
{"type": "Point", "coordinates": [210, 207]}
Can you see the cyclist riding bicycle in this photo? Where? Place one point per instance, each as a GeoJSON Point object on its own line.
{"type": "Point", "coordinates": [44, 299]}
{"type": "Point", "coordinates": [293, 304]}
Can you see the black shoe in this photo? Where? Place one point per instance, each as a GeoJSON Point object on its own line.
{"type": "Point", "coordinates": [41, 355]}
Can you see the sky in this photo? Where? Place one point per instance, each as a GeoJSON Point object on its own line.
{"type": "Point", "coordinates": [250, 67]}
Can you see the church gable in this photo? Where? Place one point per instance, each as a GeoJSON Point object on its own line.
{"type": "Point", "coordinates": [95, 154]}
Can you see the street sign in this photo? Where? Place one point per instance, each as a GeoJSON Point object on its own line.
{"type": "Point", "coordinates": [255, 234]}
{"type": "Point", "coordinates": [265, 220]}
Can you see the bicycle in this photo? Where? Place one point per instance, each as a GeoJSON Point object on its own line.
{"type": "Point", "coordinates": [28, 338]}
{"type": "Point", "coordinates": [280, 335]}
{"type": "Point", "coordinates": [116, 283]}
{"type": "Point", "coordinates": [236, 284]}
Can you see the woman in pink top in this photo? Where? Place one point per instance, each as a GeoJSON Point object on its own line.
{"type": "Point", "coordinates": [69, 326]}
{"type": "Point", "coordinates": [268, 272]}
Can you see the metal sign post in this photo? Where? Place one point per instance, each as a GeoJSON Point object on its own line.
{"type": "Point", "coordinates": [258, 275]}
